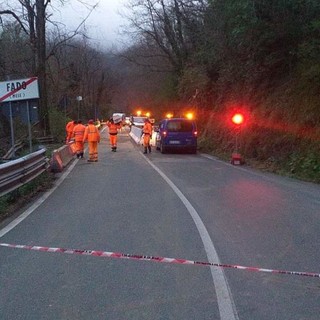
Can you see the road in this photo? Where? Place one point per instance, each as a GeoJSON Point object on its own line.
{"type": "Point", "coordinates": [177, 206]}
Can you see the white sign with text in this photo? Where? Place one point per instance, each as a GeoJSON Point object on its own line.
{"type": "Point", "coordinates": [21, 89]}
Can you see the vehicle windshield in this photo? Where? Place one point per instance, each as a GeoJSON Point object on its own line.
{"type": "Point", "coordinates": [179, 126]}
{"type": "Point", "coordinates": [138, 119]}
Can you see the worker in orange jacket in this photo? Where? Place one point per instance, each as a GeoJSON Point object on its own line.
{"type": "Point", "coordinates": [69, 130]}
{"type": "Point", "coordinates": [147, 134]}
{"type": "Point", "coordinates": [78, 134]}
{"type": "Point", "coordinates": [113, 132]}
{"type": "Point", "coordinates": [92, 135]}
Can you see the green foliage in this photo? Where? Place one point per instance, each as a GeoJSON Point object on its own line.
{"type": "Point", "coordinates": [305, 166]}
{"type": "Point", "coordinates": [192, 80]}
{"type": "Point", "coordinates": [168, 88]}
{"type": "Point", "coordinates": [269, 146]}
{"type": "Point", "coordinates": [16, 199]}
{"type": "Point", "coordinates": [308, 52]}
{"type": "Point", "coordinates": [58, 122]}
{"type": "Point", "coordinates": [263, 55]}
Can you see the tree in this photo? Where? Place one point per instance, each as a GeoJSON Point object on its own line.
{"type": "Point", "coordinates": [77, 69]}
{"type": "Point", "coordinates": [167, 33]}
{"type": "Point", "coordinates": [168, 26]}
{"type": "Point", "coordinates": [32, 16]}
{"type": "Point", "coordinates": [33, 23]}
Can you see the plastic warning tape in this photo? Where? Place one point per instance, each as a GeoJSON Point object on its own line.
{"type": "Point", "coordinates": [118, 255]}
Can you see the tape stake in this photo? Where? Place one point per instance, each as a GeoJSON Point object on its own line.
{"type": "Point", "coordinates": [118, 255]}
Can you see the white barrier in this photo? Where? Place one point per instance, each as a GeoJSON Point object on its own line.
{"type": "Point", "coordinates": [136, 134]}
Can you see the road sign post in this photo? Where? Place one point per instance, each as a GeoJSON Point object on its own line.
{"type": "Point", "coordinates": [29, 127]}
{"type": "Point", "coordinates": [16, 90]}
{"type": "Point", "coordinates": [11, 126]}
{"type": "Point", "coordinates": [79, 98]}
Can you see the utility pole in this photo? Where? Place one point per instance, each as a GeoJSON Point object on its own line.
{"type": "Point", "coordinates": [79, 98]}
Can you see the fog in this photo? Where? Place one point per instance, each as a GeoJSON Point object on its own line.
{"type": "Point", "coordinates": [103, 24]}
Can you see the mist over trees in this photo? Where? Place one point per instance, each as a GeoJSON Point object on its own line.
{"type": "Point", "coordinates": [213, 57]}
{"type": "Point", "coordinates": [261, 57]}
{"type": "Point", "coordinates": [230, 51]}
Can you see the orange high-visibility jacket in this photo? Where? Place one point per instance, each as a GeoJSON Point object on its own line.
{"type": "Point", "coordinates": [91, 133]}
{"type": "Point", "coordinates": [70, 126]}
{"type": "Point", "coordinates": [147, 128]}
{"type": "Point", "coordinates": [78, 132]}
{"type": "Point", "coordinates": [113, 128]}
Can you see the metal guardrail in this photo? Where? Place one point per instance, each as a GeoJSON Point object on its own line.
{"type": "Point", "coordinates": [18, 172]}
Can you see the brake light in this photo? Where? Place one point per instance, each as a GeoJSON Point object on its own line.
{"type": "Point", "coordinates": [195, 133]}
{"type": "Point", "coordinates": [164, 133]}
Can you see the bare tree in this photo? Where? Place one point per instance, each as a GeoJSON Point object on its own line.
{"type": "Point", "coordinates": [169, 25]}
{"type": "Point", "coordinates": [32, 16]}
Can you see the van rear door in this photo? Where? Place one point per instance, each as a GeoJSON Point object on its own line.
{"type": "Point", "coordinates": [181, 132]}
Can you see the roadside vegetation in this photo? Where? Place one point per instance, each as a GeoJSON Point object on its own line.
{"type": "Point", "coordinates": [212, 57]}
{"type": "Point", "coordinates": [17, 199]}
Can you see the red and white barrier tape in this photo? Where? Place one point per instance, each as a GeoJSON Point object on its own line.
{"type": "Point", "coordinates": [105, 254]}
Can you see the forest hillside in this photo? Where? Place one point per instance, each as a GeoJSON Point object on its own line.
{"type": "Point", "coordinates": [261, 58]}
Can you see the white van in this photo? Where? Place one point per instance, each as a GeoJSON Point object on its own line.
{"type": "Point", "coordinates": [119, 118]}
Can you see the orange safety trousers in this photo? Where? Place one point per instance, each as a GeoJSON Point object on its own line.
{"type": "Point", "coordinates": [93, 150]}
{"type": "Point", "coordinates": [113, 140]}
{"type": "Point", "coordinates": [79, 146]}
{"type": "Point", "coordinates": [146, 140]}
{"type": "Point", "coordinates": [92, 134]}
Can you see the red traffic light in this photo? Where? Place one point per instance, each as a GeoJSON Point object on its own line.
{"type": "Point", "coordinates": [237, 118]}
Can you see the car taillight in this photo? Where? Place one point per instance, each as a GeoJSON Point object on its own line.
{"type": "Point", "coordinates": [195, 133]}
{"type": "Point", "coordinates": [164, 133]}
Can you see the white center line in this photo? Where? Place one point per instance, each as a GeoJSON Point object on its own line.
{"type": "Point", "coordinates": [226, 304]}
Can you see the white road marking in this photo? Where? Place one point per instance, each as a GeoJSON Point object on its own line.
{"type": "Point", "coordinates": [226, 304]}
{"type": "Point", "coordinates": [27, 213]}
{"type": "Point", "coordinates": [225, 301]}
{"type": "Point", "coordinates": [37, 203]}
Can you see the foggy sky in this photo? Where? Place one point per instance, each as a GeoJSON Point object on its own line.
{"type": "Point", "coordinates": [103, 25]}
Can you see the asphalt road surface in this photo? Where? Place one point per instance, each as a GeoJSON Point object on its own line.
{"type": "Point", "coordinates": [178, 206]}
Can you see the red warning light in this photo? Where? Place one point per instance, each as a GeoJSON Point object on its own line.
{"type": "Point", "coordinates": [237, 118]}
